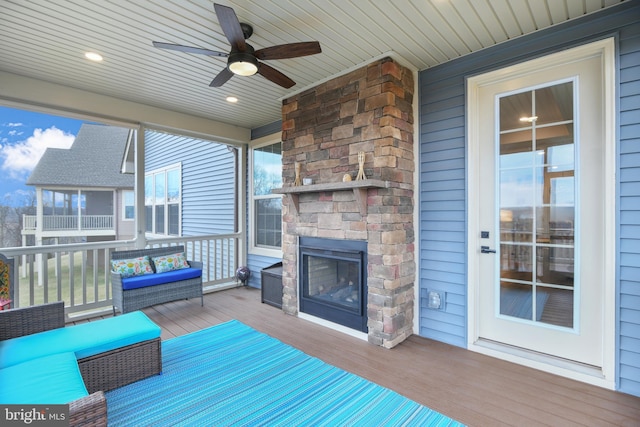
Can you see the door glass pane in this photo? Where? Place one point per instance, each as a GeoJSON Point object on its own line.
{"type": "Point", "coordinates": [516, 300]}
{"type": "Point", "coordinates": [515, 262]}
{"type": "Point", "coordinates": [537, 205]}
{"type": "Point", "coordinates": [555, 265]}
{"type": "Point", "coordinates": [518, 145]}
{"type": "Point", "coordinates": [556, 136]}
{"type": "Point", "coordinates": [515, 110]}
{"type": "Point", "coordinates": [557, 306]}
{"type": "Point", "coordinates": [554, 104]}
{"type": "Point", "coordinates": [516, 205]}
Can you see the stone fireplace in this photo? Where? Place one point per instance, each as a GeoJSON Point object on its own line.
{"type": "Point", "coordinates": [367, 110]}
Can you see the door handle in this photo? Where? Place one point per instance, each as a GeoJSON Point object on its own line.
{"type": "Point", "coordinates": [487, 250]}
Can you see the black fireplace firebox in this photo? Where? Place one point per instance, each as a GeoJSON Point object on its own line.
{"type": "Point", "coordinates": [333, 280]}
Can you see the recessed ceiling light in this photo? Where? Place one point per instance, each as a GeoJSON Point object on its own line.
{"type": "Point", "coordinates": [93, 56]}
{"type": "Point", "coordinates": [232, 99]}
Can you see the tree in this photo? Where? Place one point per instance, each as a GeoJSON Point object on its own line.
{"type": "Point", "coordinates": [5, 210]}
{"type": "Point", "coordinates": [12, 210]}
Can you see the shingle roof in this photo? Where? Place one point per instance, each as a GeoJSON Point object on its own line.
{"type": "Point", "coordinates": [94, 160]}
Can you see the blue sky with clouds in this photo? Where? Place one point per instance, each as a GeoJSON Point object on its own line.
{"type": "Point", "coordinates": [24, 136]}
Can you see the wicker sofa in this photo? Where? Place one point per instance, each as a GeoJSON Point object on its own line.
{"type": "Point", "coordinates": [46, 362]}
{"type": "Point", "coordinates": [156, 288]}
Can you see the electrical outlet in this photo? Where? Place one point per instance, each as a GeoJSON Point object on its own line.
{"type": "Point", "coordinates": [436, 300]}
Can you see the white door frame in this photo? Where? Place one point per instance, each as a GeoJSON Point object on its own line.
{"type": "Point", "coordinates": [606, 376]}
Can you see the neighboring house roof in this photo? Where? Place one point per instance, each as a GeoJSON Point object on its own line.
{"type": "Point", "coordinates": [93, 160]}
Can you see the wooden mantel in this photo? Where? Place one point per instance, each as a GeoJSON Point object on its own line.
{"type": "Point", "coordinates": [359, 191]}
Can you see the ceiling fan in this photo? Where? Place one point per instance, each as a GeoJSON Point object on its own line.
{"type": "Point", "coordinates": [243, 58]}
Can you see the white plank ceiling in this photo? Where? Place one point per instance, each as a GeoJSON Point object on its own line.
{"type": "Point", "coordinates": [46, 40]}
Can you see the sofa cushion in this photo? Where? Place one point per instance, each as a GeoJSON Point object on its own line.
{"type": "Point", "coordinates": [132, 267]}
{"type": "Point", "coordinates": [85, 339]}
{"type": "Point", "coordinates": [136, 282]}
{"type": "Point", "coordinates": [53, 379]}
{"type": "Point", "coordinates": [172, 262]}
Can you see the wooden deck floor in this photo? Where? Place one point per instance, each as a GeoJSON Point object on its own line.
{"type": "Point", "coordinates": [472, 388]}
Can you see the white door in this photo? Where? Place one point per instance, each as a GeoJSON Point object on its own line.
{"type": "Point", "coordinates": [541, 236]}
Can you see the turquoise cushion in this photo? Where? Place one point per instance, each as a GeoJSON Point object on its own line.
{"type": "Point", "coordinates": [52, 379]}
{"type": "Point", "coordinates": [86, 339]}
{"type": "Point", "coordinates": [136, 282]}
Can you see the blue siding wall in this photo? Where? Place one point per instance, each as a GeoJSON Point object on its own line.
{"type": "Point", "coordinates": [256, 263]}
{"type": "Point", "coordinates": [442, 208]}
{"type": "Point", "coordinates": [443, 176]}
{"type": "Point", "coordinates": [208, 199]}
{"type": "Point", "coordinates": [629, 203]}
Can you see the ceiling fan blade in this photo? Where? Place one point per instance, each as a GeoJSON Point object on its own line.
{"type": "Point", "coordinates": [275, 76]}
{"type": "Point", "coordinates": [291, 50]}
{"type": "Point", "coordinates": [189, 49]}
{"type": "Point", "coordinates": [221, 78]}
{"type": "Point", "coordinates": [230, 26]}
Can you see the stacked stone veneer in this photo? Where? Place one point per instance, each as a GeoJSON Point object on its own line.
{"type": "Point", "coordinates": [324, 128]}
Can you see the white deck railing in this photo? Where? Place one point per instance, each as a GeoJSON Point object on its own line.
{"type": "Point", "coordinates": [78, 274]}
{"type": "Point", "coordinates": [29, 222]}
{"type": "Point", "coordinates": [69, 222]}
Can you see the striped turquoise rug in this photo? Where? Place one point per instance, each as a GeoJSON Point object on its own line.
{"type": "Point", "coordinates": [233, 375]}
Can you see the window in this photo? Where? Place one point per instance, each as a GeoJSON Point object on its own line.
{"type": "Point", "coordinates": [159, 186]}
{"type": "Point", "coordinates": [162, 195]}
{"type": "Point", "coordinates": [148, 203]}
{"type": "Point", "coordinates": [266, 212]}
{"type": "Point", "coordinates": [128, 208]}
{"type": "Point", "coordinates": [173, 201]}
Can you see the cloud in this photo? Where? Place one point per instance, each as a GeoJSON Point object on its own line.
{"type": "Point", "coordinates": [14, 125]}
{"type": "Point", "coordinates": [19, 159]}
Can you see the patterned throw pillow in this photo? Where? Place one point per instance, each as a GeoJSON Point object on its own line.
{"type": "Point", "coordinates": [132, 267]}
{"type": "Point", "coordinates": [170, 262]}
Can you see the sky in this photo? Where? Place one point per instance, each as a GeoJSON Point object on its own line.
{"type": "Point", "coordinates": [24, 136]}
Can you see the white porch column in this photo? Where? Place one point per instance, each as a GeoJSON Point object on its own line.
{"type": "Point", "coordinates": [23, 267]}
{"type": "Point", "coordinates": [38, 236]}
{"type": "Point", "coordinates": [241, 172]}
{"type": "Point", "coordinates": [140, 219]}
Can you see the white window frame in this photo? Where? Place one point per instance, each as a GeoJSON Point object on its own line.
{"type": "Point", "coordinates": [164, 170]}
{"type": "Point", "coordinates": [124, 205]}
{"type": "Point", "coordinates": [253, 248]}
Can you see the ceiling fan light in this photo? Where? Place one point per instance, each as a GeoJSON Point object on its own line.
{"type": "Point", "coordinates": [243, 64]}
{"type": "Point", "coordinates": [243, 68]}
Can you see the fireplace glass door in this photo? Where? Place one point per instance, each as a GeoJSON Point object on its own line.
{"type": "Point", "coordinates": [333, 285]}
{"type": "Point", "coordinates": [335, 281]}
